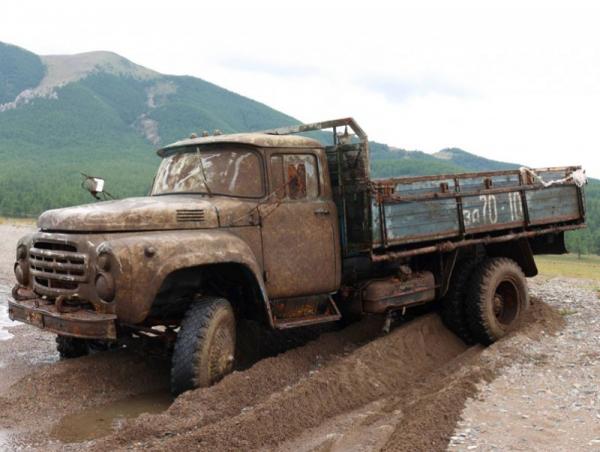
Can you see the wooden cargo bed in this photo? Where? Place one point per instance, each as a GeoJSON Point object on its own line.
{"type": "Point", "coordinates": [406, 212]}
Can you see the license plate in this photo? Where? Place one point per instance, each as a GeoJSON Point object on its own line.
{"type": "Point", "coordinates": [36, 319]}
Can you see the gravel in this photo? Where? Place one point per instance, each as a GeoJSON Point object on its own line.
{"type": "Point", "coordinates": [549, 398]}
{"type": "Point", "coordinates": [535, 390]}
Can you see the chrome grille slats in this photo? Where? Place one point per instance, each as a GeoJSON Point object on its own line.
{"type": "Point", "coordinates": [57, 267]}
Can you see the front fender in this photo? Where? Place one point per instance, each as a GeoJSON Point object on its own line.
{"type": "Point", "coordinates": [145, 261]}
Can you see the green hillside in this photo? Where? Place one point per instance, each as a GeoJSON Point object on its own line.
{"type": "Point", "coordinates": [471, 162]}
{"type": "Point", "coordinates": [19, 70]}
{"type": "Point", "coordinates": [109, 120]}
{"type": "Point", "coordinates": [587, 241]}
{"type": "Point", "coordinates": [101, 114]}
{"type": "Point", "coordinates": [96, 125]}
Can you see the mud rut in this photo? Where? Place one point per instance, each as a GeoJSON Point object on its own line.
{"type": "Point", "coordinates": [350, 389]}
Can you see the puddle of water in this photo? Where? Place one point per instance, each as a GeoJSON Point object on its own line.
{"type": "Point", "coordinates": [5, 322]}
{"type": "Point", "coordinates": [99, 421]}
{"type": "Point", "coordinates": [8, 441]}
{"type": "Point", "coordinates": [4, 440]}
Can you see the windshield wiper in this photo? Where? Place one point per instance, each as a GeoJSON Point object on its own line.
{"type": "Point", "coordinates": [203, 173]}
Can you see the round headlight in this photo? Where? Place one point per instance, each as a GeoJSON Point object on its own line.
{"type": "Point", "coordinates": [105, 286]}
{"type": "Point", "coordinates": [22, 272]}
{"type": "Point", "coordinates": [21, 252]}
{"type": "Point", "coordinates": [104, 262]}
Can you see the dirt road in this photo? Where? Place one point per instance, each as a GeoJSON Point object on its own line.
{"type": "Point", "coordinates": [416, 388]}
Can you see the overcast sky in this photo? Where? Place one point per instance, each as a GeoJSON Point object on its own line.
{"type": "Point", "coordinates": [518, 81]}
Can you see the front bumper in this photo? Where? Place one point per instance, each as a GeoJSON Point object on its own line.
{"type": "Point", "coordinates": [82, 323]}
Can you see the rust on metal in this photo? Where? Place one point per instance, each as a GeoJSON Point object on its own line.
{"type": "Point", "coordinates": [381, 295]}
{"type": "Point", "coordinates": [292, 232]}
{"type": "Point", "coordinates": [81, 323]}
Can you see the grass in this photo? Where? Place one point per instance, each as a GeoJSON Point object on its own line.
{"type": "Point", "coordinates": [570, 266]}
{"type": "Point", "coordinates": [18, 221]}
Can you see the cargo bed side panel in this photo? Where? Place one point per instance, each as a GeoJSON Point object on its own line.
{"type": "Point", "coordinates": [412, 211]}
{"type": "Point", "coordinates": [420, 220]}
{"type": "Point", "coordinates": [553, 204]}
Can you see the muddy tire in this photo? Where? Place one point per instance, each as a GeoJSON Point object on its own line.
{"type": "Point", "coordinates": [205, 346]}
{"type": "Point", "coordinates": [71, 347]}
{"type": "Point", "coordinates": [453, 309]}
{"type": "Point", "coordinates": [497, 299]}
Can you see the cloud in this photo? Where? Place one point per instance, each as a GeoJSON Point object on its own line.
{"type": "Point", "coordinates": [396, 89]}
{"type": "Point", "coordinates": [264, 66]}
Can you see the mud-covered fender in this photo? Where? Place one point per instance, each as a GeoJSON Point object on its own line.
{"type": "Point", "coordinates": [143, 263]}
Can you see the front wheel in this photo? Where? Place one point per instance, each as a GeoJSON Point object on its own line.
{"type": "Point", "coordinates": [74, 347]}
{"type": "Point", "coordinates": [71, 347]}
{"type": "Point", "coordinates": [497, 299]}
{"type": "Point", "coordinates": [205, 346]}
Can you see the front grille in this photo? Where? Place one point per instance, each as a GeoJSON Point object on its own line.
{"type": "Point", "coordinates": [57, 267]}
{"type": "Point", "coordinates": [190, 215]}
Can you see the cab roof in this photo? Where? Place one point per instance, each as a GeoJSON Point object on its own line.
{"type": "Point", "coordinates": [252, 139]}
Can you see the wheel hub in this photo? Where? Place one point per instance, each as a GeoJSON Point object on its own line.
{"type": "Point", "coordinates": [221, 355]}
{"type": "Point", "coordinates": [498, 305]}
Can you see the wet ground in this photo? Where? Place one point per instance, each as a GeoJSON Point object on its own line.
{"type": "Point", "coordinates": [4, 320]}
{"type": "Point", "coordinates": [98, 421]}
{"type": "Point", "coordinates": [353, 389]}
{"type": "Point", "coordinates": [51, 404]}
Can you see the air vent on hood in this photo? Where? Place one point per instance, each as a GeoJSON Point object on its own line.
{"type": "Point", "coordinates": [190, 215]}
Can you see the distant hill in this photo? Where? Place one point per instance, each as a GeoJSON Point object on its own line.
{"type": "Point", "coordinates": [101, 114]}
{"type": "Point", "coordinates": [472, 162]}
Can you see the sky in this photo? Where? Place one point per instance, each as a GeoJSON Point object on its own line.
{"type": "Point", "coordinates": [509, 80]}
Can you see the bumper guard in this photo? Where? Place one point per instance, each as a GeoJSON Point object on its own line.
{"type": "Point", "coordinates": [82, 323]}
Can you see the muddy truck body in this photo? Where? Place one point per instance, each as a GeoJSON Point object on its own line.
{"type": "Point", "coordinates": [276, 230]}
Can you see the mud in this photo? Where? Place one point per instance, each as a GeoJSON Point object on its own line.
{"type": "Point", "coordinates": [98, 421]}
{"type": "Point", "coordinates": [402, 391]}
{"type": "Point", "coordinates": [353, 389]}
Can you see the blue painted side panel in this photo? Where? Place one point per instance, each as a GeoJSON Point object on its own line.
{"type": "Point", "coordinates": [420, 218]}
{"type": "Point", "coordinates": [417, 221]}
{"type": "Point", "coordinates": [552, 203]}
{"type": "Point", "coordinates": [481, 211]}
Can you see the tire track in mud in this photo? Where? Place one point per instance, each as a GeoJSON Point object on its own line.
{"type": "Point", "coordinates": [402, 391]}
{"type": "Point", "coordinates": [241, 391]}
{"type": "Point", "coordinates": [381, 368]}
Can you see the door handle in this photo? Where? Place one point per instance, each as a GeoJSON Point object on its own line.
{"type": "Point", "coordinates": [321, 211]}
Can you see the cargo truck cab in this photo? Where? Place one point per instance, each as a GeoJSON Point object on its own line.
{"type": "Point", "coordinates": [275, 229]}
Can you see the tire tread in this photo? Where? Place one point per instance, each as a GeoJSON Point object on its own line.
{"type": "Point", "coordinates": [477, 320]}
{"type": "Point", "coordinates": [193, 332]}
{"type": "Point", "coordinates": [453, 309]}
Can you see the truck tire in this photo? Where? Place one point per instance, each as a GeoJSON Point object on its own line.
{"type": "Point", "coordinates": [71, 347]}
{"type": "Point", "coordinates": [497, 299]}
{"type": "Point", "coordinates": [453, 309]}
{"type": "Point", "coordinates": [205, 347]}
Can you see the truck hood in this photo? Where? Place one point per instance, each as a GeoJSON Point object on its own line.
{"type": "Point", "coordinates": [139, 214]}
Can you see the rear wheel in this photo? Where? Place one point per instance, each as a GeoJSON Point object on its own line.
{"type": "Point", "coordinates": [497, 299]}
{"type": "Point", "coordinates": [453, 309]}
{"type": "Point", "coordinates": [205, 346]}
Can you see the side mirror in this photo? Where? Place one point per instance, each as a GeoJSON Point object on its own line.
{"type": "Point", "coordinates": [95, 185]}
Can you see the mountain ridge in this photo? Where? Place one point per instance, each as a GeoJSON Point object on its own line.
{"type": "Point", "coordinates": [100, 113]}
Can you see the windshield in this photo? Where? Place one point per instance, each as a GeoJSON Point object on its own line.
{"type": "Point", "coordinates": [218, 171]}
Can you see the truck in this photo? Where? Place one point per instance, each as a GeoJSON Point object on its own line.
{"type": "Point", "coordinates": [277, 229]}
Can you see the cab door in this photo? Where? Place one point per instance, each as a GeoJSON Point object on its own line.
{"type": "Point", "coordinates": [299, 227]}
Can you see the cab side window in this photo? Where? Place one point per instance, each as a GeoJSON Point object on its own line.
{"type": "Point", "coordinates": [295, 176]}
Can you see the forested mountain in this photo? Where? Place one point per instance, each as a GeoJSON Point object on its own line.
{"type": "Point", "coordinates": [100, 114]}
